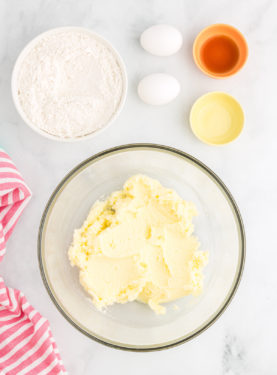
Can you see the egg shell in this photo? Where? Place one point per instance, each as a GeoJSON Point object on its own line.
{"type": "Point", "coordinates": [158, 89]}
{"type": "Point", "coordinates": [161, 40]}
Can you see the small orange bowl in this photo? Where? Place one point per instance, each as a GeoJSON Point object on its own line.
{"type": "Point", "coordinates": [220, 50]}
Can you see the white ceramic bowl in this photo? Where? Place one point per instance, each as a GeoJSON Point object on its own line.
{"type": "Point", "coordinates": [134, 326]}
{"type": "Point", "coordinates": [17, 66]}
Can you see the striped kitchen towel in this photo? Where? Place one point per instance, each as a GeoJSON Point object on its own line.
{"type": "Point", "coordinates": [26, 342]}
{"type": "Point", "coordinates": [14, 196]}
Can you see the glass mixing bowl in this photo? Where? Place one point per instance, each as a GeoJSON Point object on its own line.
{"type": "Point", "coordinates": [134, 325]}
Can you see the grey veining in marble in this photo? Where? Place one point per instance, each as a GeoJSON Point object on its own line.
{"type": "Point", "coordinates": [243, 340]}
{"type": "Point", "coordinates": [233, 361]}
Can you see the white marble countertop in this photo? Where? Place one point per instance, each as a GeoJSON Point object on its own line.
{"type": "Point", "coordinates": [243, 340]}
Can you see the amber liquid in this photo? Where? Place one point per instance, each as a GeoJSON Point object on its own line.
{"type": "Point", "coordinates": [219, 54]}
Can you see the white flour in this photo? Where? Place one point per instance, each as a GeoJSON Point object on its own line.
{"type": "Point", "coordinates": [70, 84]}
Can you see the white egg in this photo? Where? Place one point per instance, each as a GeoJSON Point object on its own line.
{"type": "Point", "coordinates": [158, 89]}
{"type": "Point", "coordinates": [161, 40]}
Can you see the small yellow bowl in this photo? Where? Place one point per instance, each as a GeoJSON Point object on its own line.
{"type": "Point", "coordinates": [216, 118]}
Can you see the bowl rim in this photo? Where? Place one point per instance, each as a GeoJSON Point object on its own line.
{"type": "Point", "coordinates": [240, 266]}
{"type": "Point", "coordinates": [30, 45]}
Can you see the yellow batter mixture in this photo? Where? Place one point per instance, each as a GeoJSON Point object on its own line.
{"type": "Point", "coordinates": [138, 245]}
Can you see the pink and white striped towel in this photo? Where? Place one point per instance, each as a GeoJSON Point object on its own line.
{"type": "Point", "coordinates": [26, 342]}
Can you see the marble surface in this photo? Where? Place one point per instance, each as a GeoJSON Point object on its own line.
{"type": "Point", "coordinates": [243, 340]}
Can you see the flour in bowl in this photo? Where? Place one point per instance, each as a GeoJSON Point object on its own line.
{"type": "Point", "coordinates": [70, 83]}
